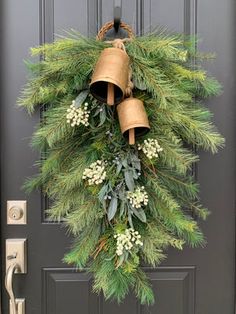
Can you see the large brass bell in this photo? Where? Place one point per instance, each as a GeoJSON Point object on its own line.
{"type": "Point", "coordinates": [133, 118]}
{"type": "Point", "coordinates": [110, 76]}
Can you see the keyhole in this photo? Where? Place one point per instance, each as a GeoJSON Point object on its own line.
{"type": "Point", "coordinates": [15, 213]}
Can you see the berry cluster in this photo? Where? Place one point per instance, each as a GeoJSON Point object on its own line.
{"type": "Point", "coordinates": [76, 116]}
{"type": "Point", "coordinates": [126, 241]}
{"type": "Point", "coordinates": [96, 173]}
{"type": "Point", "coordinates": [150, 147]}
{"type": "Point", "coordinates": [138, 198]}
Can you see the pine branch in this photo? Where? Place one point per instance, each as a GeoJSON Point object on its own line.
{"type": "Point", "coordinates": [143, 289]}
{"type": "Point", "coordinates": [83, 246]}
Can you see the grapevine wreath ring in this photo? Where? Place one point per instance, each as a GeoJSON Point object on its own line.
{"type": "Point", "coordinates": [122, 200]}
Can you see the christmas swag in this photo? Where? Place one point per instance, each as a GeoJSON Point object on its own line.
{"type": "Point", "coordinates": [121, 123]}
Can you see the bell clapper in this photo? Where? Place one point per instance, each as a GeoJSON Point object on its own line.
{"type": "Point", "coordinates": [110, 94]}
{"type": "Point", "coordinates": [131, 136]}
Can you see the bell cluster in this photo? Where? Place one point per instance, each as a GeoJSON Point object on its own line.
{"type": "Point", "coordinates": [127, 240]}
{"type": "Point", "coordinates": [95, 173]}
{"type": "Point", "coordinates": [76, 116]}
{"type": "Point", "coordinates": [150, 148]}
{"type": "Point", "coordinates": [113, 85]}
{"type": "Point", "coordinates": [138, 198]}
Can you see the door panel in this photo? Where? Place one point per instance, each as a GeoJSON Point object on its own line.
{"type": "Point", "coordinates": [175, 283]}
{"type": "Point", "coordinates": [169, 13]}
{"type": "Point", "coordinates": [195, 281]}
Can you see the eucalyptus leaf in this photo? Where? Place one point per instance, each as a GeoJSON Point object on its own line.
{"type": "Point", "coordinates": [80, 99]}
{"type": "Point", "coordinates": [136, 165]}
{"type": "Point", "coordinates": [112, 209]}
{"type": "Point", "coordinates": [130, 220]}
{"type": "Point", "coordinates": [121, 193]}
{"type": "Point", "coordinates": [140, 214]}
{"type": "Point", "coordinates": [134, 158]}
{"type": "Point", "coordinates": [124, 163]}
{"type": "Point", "coordinates": [122, 208]}
{"type": "Point", "coordinates": [104, 204]}
{"type": "Point", "coordinates": [102, 193]}
{"type": "Point", "coordinates": [111, 258]}
{"type": "Point", "coordinates": [129, 180]}
{"type": "Point", "coordinates": [102, 116]}
{"type": "Point", "coordinates": [97, 111]}
{"type": "Point", "coordinates": [120, 260]}
{"type": "Point", "coordinates": [135, 161]}
{"type": "Point", "coordinates": [126, 255]}
{"type": "Point", "coordinates": [135, 174]}
{"type": "Point", "coordinates": [118, 168]}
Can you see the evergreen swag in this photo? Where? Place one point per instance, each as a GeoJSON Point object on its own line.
{"type": "Point", "coordinates": [123, 204]}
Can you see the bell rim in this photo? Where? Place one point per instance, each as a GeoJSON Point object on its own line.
{"type": "Point", "coordinates": [142, 133]}
{"type": "Point", "coordinates": [101, 99]}
{"type": "Point", "coordinates": [108, 80]}
{"type": "Point", "coordinates": [134, 126]}
{"type": "Point", "coordinates": [117, 100]}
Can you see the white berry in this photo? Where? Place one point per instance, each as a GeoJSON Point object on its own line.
{"type": "Point", "coordinates": [127, 241]}
{"type": "Point", "coordinates": [77, 116]}
{"type": "Point", "coordinates": [138, 198]}
{"type": "Point", "coordinates": [95, 173]}
{"type": "Point", "coordinates": [150, 148]}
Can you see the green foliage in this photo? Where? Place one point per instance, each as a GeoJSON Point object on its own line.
{"type": "Point", "coordinates": [84, 246]}
{"type": "Point", "coordinates": [171, 86]}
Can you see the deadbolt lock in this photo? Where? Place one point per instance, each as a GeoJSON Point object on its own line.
{"type": "Point", "coordinates": [16, 212]}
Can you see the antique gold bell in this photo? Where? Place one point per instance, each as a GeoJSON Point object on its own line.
{"type": "Point", "coordinates": [133, 118]}
{"type": "Point", "coordinates": [110, 76]}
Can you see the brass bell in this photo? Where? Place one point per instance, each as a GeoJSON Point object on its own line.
{"type": "Point", "coordinates": [133, 118]}
{"type": "Point", "coordinates": [110, 76]}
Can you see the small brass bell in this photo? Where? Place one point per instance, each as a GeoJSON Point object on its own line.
{"type": "Point", "coordinates": [110, 76]}
{"type": "Point", "coordinates": [133, 118]}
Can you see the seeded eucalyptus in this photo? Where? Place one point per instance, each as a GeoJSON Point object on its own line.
{"type": "Point", "coordinates": [123, 204]}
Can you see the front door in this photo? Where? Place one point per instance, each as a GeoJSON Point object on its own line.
{"type": "Point", "coordinates": [195, 281]}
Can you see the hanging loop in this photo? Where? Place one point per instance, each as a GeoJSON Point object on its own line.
{"type": "Point", "coordinates": [109, 25]}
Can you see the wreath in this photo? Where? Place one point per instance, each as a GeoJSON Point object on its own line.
{"type": "Point", "coordinates": [117, 154]}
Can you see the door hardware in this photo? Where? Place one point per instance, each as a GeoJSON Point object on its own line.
{"type": "Point", "coordinates": [20, 306]}
{"type": "Point", "coordinates": [16, 213]}
{"type": "Point", "coordinates": [15, 264]}
{"type": "Point", "coordinates": [16, 253]}
{"type": "Point", "coordinates": [16, 306]}
{"type": "Point", "coordinates": [12, 256]}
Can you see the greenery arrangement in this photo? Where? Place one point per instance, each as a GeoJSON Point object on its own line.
{"type": "Point", "coordinates": [123, 204]}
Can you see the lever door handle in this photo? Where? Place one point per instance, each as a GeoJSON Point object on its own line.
{"type": "Point", "coordinates": [15, 264]}
{"type": "Point", "coordinates": [9, 287]}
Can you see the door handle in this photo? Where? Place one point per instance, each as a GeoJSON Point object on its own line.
{"type": "Point", "coordinates": [15, 264]}
{"type": "Point", "coordinates": [9, 287]}
{"type": "Point", "coordinates": [17, 306]}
